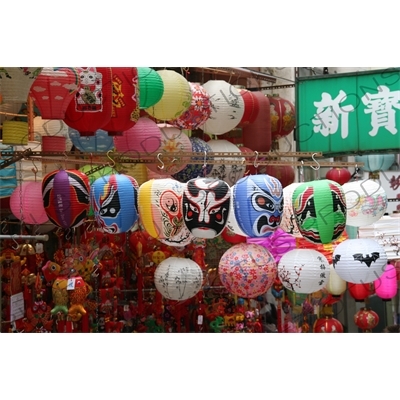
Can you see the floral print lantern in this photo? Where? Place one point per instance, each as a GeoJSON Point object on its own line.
{"type": "Point", "coordinates": [247, 270]}
{"type": "Point", "coordinates": [366, 202]}
{"type": "Point", "coordinates": [303, 271]}
{"type": "Point", "coordinates": [359, 260]}
{"type": "Point", "coordinates": [320, 210]}
{"type": "Point", "coordinates": [366, 319]}
{"type": "Point", "coordinates": [178, 278]}
{"type": "Point", "coordinates": [289, 222]}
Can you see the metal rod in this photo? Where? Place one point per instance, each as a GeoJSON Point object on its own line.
{"type": "Point", "coordinates": [43, 238]}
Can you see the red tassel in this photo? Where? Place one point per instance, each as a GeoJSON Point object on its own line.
{"type": "Point", "coordinates": [85, 323]}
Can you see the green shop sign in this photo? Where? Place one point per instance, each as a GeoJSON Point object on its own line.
{"type": "Point", "coordinates": [352, 113]}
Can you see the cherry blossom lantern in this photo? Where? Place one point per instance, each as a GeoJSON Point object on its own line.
{"type": "Point", "coordinates": [53, 90]}
{"type": "Point", "coordinates": [26, 203]}
{"type": "Point", "coordinates": [289, 222]}
{"type": "Point", "coordinates": [366, 202]}
{"type": "Point", "coordinates": [258, 204]}
{"type": "Point", "coordinates": [283, 117]}
{"type": "Point", "coordinates": [113, 199]}
{"type": "Point", "coordinates": [178, 278]}
{"type": "Point", "coordinates": [160, 211]}
{"type": "Point", "coordinates": [176, 98]}
{"type": "Point", "coordinates": [125, 100]}
{"type": "Point", "coordinates": [65, 196]}
{"type": "Point", "coordinates": [198, 112]}
{"type": "Point", "coordinates": [320, 210]}
{"type": "Point", "coordinates": [359, 260]}
{"type": "Point", "coordinates": [303, 271]}
{"type": "Point", "coordinates": [206, 205]}
{"type": "Point", "coordinates": [91, 109]}
{"type": "Point", "coordinates": [386, 285]}
{"type": "Point", "coordinates": [227, 107]}
{"type": "Point", "coordinates": [151, 87]}
{"type": "Point", "coordinates": [366, 319]}
{"type": "Point", "coordinates": [247, 270]}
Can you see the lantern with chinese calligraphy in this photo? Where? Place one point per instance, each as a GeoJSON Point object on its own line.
{"type": "Point", "coordinates": [303, 270]}
{"type": "Point", "coordinates": [359, 260]}
{"type": "Point", "coordinates": [125, 100]}
{"type": "Point", "coordinates": [206, 204]}
{"type": "Point", "coordinates": [151, 87]}
{"type": "Point", "coordinates": [386, 286]}
{"type": "Point", "coordinates": [366, 202]}
{"type": "Point", "coordinates": [160, 211]}
{"type": "Point", "coordinates": [176, 97]}
{"type": "Point", "coordinates": [91, 109]}
{"type": "Point", "coordinates": [283, 117]}
{"type": "Point", "coordinates": [227, 107]}
{"type": "Point", "coordinates": [247, 270]}
{"type": "Point", "coordinates": [320, 210]}
{"type": "Point", "coordinates": [178, 278]}
{"type": "Point", "coordinates": [258, 204]}
{"type": "Point", "coordinates": [366, 319]}
{"type": "Point", "coordinates": [113, 199]}
{"type": "Point", "coordinates": [53, 90]}
{"type": "Point", "coordinates": [66, 197]}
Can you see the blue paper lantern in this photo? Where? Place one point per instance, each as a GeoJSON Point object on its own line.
{"type": "Point", "coordinates": [99, 143]}
{"type": "Point", "coordinates": [376, 162]}
{"type": "Point", "coordinates": [258, 204]}
{"type": "Point", "coordinates": [113, 199]}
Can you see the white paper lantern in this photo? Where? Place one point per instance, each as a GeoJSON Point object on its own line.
{"type": "Point", "coordinates": [288, 221]}
{"type": "Point", "coordinates": [336, 285]}
{"type": "Point", "coordinates": [232, 223]}
{"type": "Point", "coordinates": [227, 107]}
{"type": "Point", "coordinates": [366, 202]}
{"type": "Point", "coordinates": [303, 271]}
{"type": "Point", "coordinates": [359, 260]}
{"type": "Point", "coordinates": [178, 278]}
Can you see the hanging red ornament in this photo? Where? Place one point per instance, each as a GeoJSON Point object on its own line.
{"type": "Point", "coordinates": [360, 291]}
{"type": "Point", "coordinates": [283, 117]}
{"type": "Point", "coordinates": [366, 319]}
{"type": "Point", "coordinates": [327, 324]}
{"type": "Point", "coordinates": [339, 175]}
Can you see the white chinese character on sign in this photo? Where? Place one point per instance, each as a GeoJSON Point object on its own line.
{"type": "Point", "coordinates": [329, 111]}
{"type": "Point", "coordinates": [380, 106]}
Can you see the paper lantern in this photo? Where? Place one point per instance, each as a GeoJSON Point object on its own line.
{"type": "Point", "coordinates": [176, 97]}
{"type": "Point", "coordinates": [366, 319]}
{"type": "Point", "coordinates": [66, 197]}
{"type": "Point", "coordinates": [15, 83]}
{"type": "Point", "coordinates": [247, 270]}
{"type": "Point", "coordinates": [91, 108]}
{"type": "Point", "coordinates": [320, 210]}
{"type": "Point", "coordinates": [366, 202]}
{"type": "Point", "coordinates": [100, 142]}
{"type": "Point", "coordinates": [231, 237]}
{"type": "Point", "coordinates": [336, 286]}
{"type": "Point", "coordinates": [178, 278]}
{"type": "Point", "coordinates": [151, 87]}
{"type": "Point", "coordinates": [283, 117]}
{"type": "Point", "coordinates": [303, 271]}
{"type": "Point", "coordinates": [198, 112]}
{"type": "Point", "coordinates": [125, 100]}
{"type": "Point", "coordinates": [375, 162]}
{"type": "Point", "coordinates": [359, 260]}
{"type": "Point", "coordinates": [173, 140]}
{"type": "Point", "coordinates": [230, 170]}
{"type": "Point", "coordinates": [160, 211]}
{"type": "Point", "coordinates": [284, 173]}
{"type": "Point", "coordinates": [386, 286]}
{"type": "Point", "coordinates": [288, 221]}
{"type": "Point", "coordinates": [29, 170]}
{"type": "Point", "coordinates": [257, 135]}
{"type": "Point", "coordinates": [360, 291]}
{"type": "Point", "coordinates": [251, 107]}
{"type": "Point", "coordinates": [327, 324]}
{"type": "Point", "coordinates": [26, 203]}
{"type": "Point", "coordinates": [196, 169]}
{"type": "Point", "coordinates": [53, 90]}
{"type": "Point", "coordinates": [339, 175]}
{"type": "Point", "coordinates": [227, 107]}
{"type": "Point", "coordinates": [15, 132]}
{"type": "Point", "coordinates": [206, 204]}
{"type": "Point", "coordinates": [258, 204]}
{"type": "Point", "coordinates": [113, 199]}
{"type": "Point", "coordinates": [53, 133]}
{"type": "Point", "coordinates": [232, 223]}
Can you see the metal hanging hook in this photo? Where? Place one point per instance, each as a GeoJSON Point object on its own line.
{"type": "Point", "coordinates": [111, 162]}
{"type": "Point", "coordinates": [16, 247]}
{"type": "Point", "coordinates": [316, 162]}
{"type": "Point", "coordinates": [302, 171]}
{"type": "Point", "coordinates": [161, 162]}
{"type": "Point", "coordinates": [204, 167]}
{"type": "Point", "coordinates": [256, 163]}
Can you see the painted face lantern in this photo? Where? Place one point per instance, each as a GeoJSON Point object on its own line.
{"type": "Point", "coordinates": [206, 204]}
{"type": "Point", "coordinates": [258, 204]}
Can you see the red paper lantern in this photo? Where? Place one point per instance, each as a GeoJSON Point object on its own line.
{"type": "Point", "coordinates": [53, 90]}
{"type": "Point", "coordinates": [284, 173]}
{"type": "Point", "coordinates": [257, 135]}
{"type": "Point", "coordinates": [283, 117]}
{"type": "Point", "coordinates": [366, 319]}
{"type": "Point", "coordinates": [360, 291]}
{"type": "Point", "coordinates": [92, 107]}
{"type": "Point", "coordinates": [327, 324]}
{"type": "Point", "coordinates": [125, 103]}
{"type": "Point", "coordinates": [251, 107]}
{"type": "Point", "coordinates": [339, 175]}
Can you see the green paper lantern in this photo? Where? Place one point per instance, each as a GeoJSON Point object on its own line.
{"type": "Point", "coordinates": [151, 87]}
{"type": "Point", "coordinates": [320, 210]}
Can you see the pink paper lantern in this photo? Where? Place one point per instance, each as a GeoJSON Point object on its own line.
{"type": "Point", "coordinates": [386, 285]}
{"type": "Point", "coordinates": [26, 203]}
{"type": "Point", "coordinates": [247, 270]}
